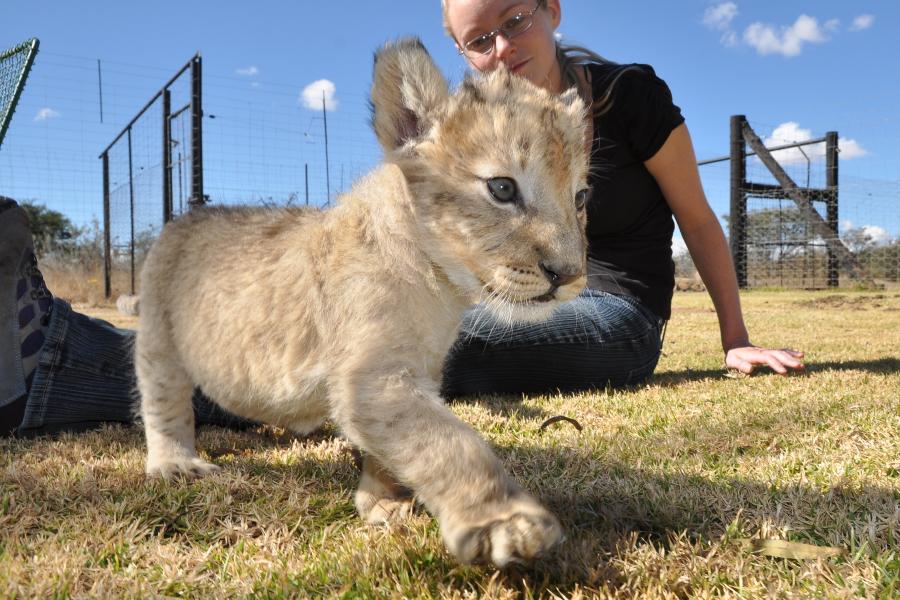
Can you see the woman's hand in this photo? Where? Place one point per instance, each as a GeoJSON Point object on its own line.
{"type": "Point", "coordinates": [746, 358]}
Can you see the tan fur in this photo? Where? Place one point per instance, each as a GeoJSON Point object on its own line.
{"type": "Point", "coordinates": [293, 316]}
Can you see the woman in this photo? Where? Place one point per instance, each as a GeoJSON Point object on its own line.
{"type": "Point", "coordinates": [643, 172]}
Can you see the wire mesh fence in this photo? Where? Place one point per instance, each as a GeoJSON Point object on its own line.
{"type": "Point", "coordinates": [804, 226]}
{"type": "Point", "coordinates": [265, 143]}
{"type": "Point", "coordinates": [15, 65]}
{"type": "Point", "coordinates": [151, 172]}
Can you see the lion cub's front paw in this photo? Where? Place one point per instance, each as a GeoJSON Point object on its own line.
{"type": "Point", "coordinates": [383, 510]}
{"type": "Point", "coordinates": [519, 532]}
{"type": "Point", "coordinates": [186, 467]}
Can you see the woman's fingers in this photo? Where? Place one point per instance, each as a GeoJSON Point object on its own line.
{"type": "Point", "coordinates": [789, 358]}
{"type": "Point", "coordinates": [773, 362]}
{"type": "Point", "coordinates": [745, 359]}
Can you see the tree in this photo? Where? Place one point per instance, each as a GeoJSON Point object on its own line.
{"type": "Point", "coordinates": [49, 228]}
{"type": "Point", "coordinates": [858, 239]}
{"type": "Point", "coordinates": [883, 261]}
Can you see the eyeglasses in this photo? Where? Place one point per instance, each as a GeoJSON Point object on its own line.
{"type": "Point", "coordinates": [516, 25]}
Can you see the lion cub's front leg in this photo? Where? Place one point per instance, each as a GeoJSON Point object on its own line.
{"type": "Point", "coordinates": [483, 514]}
{"type": "Point", "coordinates": [167, 413]}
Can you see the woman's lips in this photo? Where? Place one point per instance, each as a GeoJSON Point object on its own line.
{"type": "Point", "coordinates": [517, 68]}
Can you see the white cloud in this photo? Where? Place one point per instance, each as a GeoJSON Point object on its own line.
{"type": "Point", "coordinates": [250, 71]}
{"type": "Point", "coordinates": [311, 96]}
{"type": "Point", "coordinates": [791, 133]}
{"type": "Point", "coordinates": [719, 17]}
{"type": "Point", "coordinates": [832, 24]}
{"type": "Point", "coordinates": [787, 41]}
{"type": "Point", "coordinates": [851, 149]}
{"type": "Point", "coordinates": [862, 22]}
{"type": "Point", "coordinates": [878, 235]}
{"type": "Point", "coordinates": [46, 113]}
{"type": "Point", "coordinates": [679, 247]}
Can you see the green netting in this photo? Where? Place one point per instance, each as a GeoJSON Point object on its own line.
{"type": "Point", "coordinates": [14, 66]}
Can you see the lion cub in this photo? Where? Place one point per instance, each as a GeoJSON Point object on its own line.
{"type": "Point", "coordinates": [292, 316]}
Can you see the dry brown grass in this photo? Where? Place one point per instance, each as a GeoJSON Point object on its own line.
{"type": "Point", "coordinates": [84, 284]}
{"type": "Point", "coordinates": [656, 493]}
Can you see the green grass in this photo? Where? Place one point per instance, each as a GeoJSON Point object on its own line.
{"type": "Point", "coordinates": [657, 493]}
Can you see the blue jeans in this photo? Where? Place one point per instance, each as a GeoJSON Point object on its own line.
{"type": "Point", "coordinates": [597, 340]}
{"type": "Point", "coordinates": [85, 375]}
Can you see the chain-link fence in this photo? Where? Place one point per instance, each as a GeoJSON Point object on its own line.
{"type": "Point", "coordinates": [15, 64]}
{"type": "Point", "coordinates": [152, 171]}
{"type": "Point", "coordinates": [794, 222]}
{"type": "Point", "coordinates": [265, 143]}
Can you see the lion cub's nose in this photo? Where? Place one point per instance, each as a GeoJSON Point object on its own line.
{"type": "Point", "coordinates": [559, 275]}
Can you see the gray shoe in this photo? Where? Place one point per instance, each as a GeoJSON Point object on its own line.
{"type": "Point", "coordinates": [25, 304]}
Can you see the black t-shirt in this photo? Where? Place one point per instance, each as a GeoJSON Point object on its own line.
{"type": "Point", "coordinates": [629, 224]}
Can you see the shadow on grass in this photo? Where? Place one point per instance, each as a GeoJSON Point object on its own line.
{"type": "Point", "coordinates": [505, 406]}
{"type": "Point", "coordinates": [629, 507]}
{"type": "Point", "coordinates": [886, 365]}
{"type": "Point", "coordinates": [608, 507]}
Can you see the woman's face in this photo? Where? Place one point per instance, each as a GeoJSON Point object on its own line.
{"type": "Point", "coordinates": [531, 54]}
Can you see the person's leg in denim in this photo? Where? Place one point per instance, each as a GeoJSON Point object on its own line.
{"type": "Point", "coordinates": [82, 373]}
{"type": "Point", "coordinates": [597, 340]}
{"type": "Point", "coordinates": [85, 377]}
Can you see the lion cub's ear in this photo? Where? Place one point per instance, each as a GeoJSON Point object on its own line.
{"type": "Point", "coordinates": [408, 90]}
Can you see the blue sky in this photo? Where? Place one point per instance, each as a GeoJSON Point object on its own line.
{"type": "Point", "coordinates": [795, 68]}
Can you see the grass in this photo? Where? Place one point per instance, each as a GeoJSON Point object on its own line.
{"type": "Point", "coordinates": [657, 494]}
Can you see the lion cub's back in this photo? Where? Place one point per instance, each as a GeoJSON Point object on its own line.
{"type": "Point", "coordinates": [210, 267]}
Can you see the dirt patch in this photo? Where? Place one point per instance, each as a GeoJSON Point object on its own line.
{"type": "Point", "coordinates": [846, 302]}
{"type": "Point", "coordinates": [689, 284]}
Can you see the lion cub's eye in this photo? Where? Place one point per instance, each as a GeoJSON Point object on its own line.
{"type": "Point", "coordinates": [503, 189]}
{"type": "Point", "coordinates": [581, 198]}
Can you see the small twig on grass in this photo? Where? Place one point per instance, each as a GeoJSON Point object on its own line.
{"type": "Point", "coordinates": [557, 419]}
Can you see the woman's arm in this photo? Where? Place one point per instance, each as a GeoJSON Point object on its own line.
{"type": "Point", "coordinates": [674, 167]}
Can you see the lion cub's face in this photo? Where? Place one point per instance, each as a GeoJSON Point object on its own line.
{"type": "Point", "coordinates": [497, 171]}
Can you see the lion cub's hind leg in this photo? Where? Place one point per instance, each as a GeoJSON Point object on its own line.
{"type": "Point", "coordinates": [167, 413]}
{"type": "Point", "coordinates": [379, 497]}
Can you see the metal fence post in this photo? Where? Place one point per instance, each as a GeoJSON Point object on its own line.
{"type": "Point", "coordinates": [167, 156]}
{"type": "Point", "coordinates": [737, 217]}
{"type": "Point", "coordinates": [107, 245]}
{"type": "Point", "coordinates": [197, 197]}
{"type": "Point", "coordinates": [131, 206]}
{"type": "Point", "coordinates": [831, 200]}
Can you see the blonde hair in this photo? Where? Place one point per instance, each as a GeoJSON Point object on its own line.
{"type": "Point", "coordinates": [446, 21]}
{"type": "Point", "coordinates": [570, 57]}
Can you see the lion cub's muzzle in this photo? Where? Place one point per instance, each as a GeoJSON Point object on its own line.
{"type": "Point", "coordinates": [560, 275]}
{"type": "Point", "coordinates": [557, 275]}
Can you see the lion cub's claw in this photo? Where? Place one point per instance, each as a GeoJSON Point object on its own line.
{"type": "Point", "coordinates": [517, 537]}
{"type": "Point", "coordinates": [190, 468]}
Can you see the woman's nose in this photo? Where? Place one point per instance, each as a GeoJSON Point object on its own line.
{"type": "Point", "coordinates": [502, 47]}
